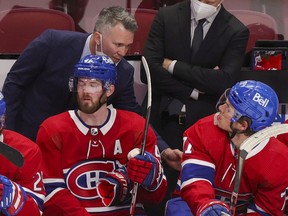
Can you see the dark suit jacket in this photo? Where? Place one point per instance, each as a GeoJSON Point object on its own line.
{"type": "Point", "coordinates": [170, 37]}
{"type": "Point", "coordinates": [37, 85]}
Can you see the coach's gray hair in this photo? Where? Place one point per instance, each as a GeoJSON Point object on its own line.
{"type": "Point", "coordinates": [111, 16]}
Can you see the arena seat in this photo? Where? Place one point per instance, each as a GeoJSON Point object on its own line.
{"type": "Point", "coordinates": [19, 26]}
{"type": "Point", "coordinates": [144, 19]}
{"type": "Point", "coordinates": [261, 26]}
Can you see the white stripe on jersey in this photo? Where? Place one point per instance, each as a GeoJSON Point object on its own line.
{"type": "Point", "coordinates": [190, 181]}
{"type": "Point", "coordinates": [85, 129]}
{"type": "Point", "coordinates": [53, 180]}
{"type": "Point", "coordinates": [199, 162]}
{"type": "Point", "coordinates": [110, 208]}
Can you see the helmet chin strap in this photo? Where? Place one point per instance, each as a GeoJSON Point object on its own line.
{"type": "Point", "coordinates": [234, 131]}
{"type": "Point", "coordinates": [100, 103]}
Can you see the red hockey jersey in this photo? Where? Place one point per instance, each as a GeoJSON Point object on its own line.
{"type": "Point", "coordinates": [284, 137]}
{"type": "Point", "coordinates": [209, 167]}
{"type": "Point", "coordinates": [29, 176]}
{"type": "Point", "coordinates": [77, 155]}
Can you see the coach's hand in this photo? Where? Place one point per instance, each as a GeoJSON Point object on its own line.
{"type": "Point", "coordinates": [144, 169]}
{"type": "Point", "coordinates": [12, 196]}
{"type": "Point", "coordinates": [172, 157]}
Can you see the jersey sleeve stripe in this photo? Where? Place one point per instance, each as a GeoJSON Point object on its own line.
{"type": "Point", "coordinates": [190, 181]}
{"type": "Point", "coordinates": [53, 180]}
{"type": "Point", "coordinates": [37, 197]}
{"type": "Point", "coordinates": [195, 172]}
{"type": "Point", "coordinates": [199, 162]}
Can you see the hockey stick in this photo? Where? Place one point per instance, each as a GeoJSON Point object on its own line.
{"type": "Point", "coordinates": [248, 145]}
{"type": "Point", "coordinates": [143, 145]}
{"type": "Point", "coordinates": [11, 154]}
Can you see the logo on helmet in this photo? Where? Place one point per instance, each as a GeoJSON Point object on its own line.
{"type": "Point", "coordinates": [260, 100]}
{"type": "Point", "coordinates": [88, 61]}
{"type": "Point", "coordinates": [108, 60]}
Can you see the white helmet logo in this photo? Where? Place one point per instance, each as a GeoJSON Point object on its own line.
{"type": "Point", "coordinates": [260, 100]}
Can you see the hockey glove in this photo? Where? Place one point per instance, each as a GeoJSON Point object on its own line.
{"type": "Point", "coordinates": [213, 208]}
{"type": "Point", "coordinates": [114, 187]}
{"type": "Point", "coordinates": [12, 197]}
{"type": "Point", "coordinates": [144, 169]}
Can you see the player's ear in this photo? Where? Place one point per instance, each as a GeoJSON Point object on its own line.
{"type": "Point", "coordinates": [110, 90]}
{"type": "Point", "coordinates": [242, 125]}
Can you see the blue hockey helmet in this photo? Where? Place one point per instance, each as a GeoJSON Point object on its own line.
{"type": "Point", "coordinates": [2, 111]}
{"type": "Point", "coordinates": [255, 100]}
{"type": "Point", "coordinates": [97, 67]}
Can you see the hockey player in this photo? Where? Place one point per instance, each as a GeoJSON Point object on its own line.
{"type": "Point", "coordinates": [21, 188]}
{"type": "Point", "coordinates": [85, 151]}
{"type": "Point", "coordinates": [211, 151]}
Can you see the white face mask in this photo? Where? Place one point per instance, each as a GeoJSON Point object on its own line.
{"type": "Point", "coordinates": [101, 47]}
{"type": "Point", "coordinates": [203, 10]}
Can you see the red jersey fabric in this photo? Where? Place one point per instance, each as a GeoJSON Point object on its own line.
{"type": "Point", "coordinates": [209, 168]}
{"type": "Point", "coordinates": [29, 176]}
{"type": "Point", "coordinates": [77, 155]}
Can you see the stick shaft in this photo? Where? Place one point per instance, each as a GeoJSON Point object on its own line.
{"type": "Point", "coordinates": [11, 154]}
{"type": "Point", "coordinates": [143, 145]}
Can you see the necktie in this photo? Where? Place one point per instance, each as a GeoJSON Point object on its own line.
{"type": "Point", "coordinates": [198, 36]}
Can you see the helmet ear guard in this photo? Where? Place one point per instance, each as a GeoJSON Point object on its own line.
{"type": "Point", "coordinates": [71, 84]}
{"type": "Point", "coordinates": [255, 100]}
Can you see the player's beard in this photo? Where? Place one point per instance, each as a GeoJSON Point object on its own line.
{"type": "Point", "coordinates": [90, 107]}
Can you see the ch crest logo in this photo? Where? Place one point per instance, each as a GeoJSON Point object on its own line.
{"type": "Point", "coordinates": [81, 180]}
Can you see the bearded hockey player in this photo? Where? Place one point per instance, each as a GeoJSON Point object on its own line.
{"type": "Point", "coordinates": [87, 170]}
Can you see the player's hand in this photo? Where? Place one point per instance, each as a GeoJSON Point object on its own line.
{"type": "Point", "coordinates": [114, 187]}
{"type": "Point", "coordinates": [213, 208]}
{"type": "Point", "coordinates": [12, 197]}
{"type": "Point", "coordinates": [172, 157]}
{"type": "Point", "coordinates": [144, 169]}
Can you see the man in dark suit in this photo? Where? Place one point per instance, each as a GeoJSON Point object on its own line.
{"type": "Point", "coordinates": [197, 79]}
{"type": "Point", "coordinates": [37, 85]}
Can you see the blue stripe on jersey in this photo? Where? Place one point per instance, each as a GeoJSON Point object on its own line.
{"type": "Point", "coordinates": [49, 187]}
{"type": "Point", "coordinates": [196, 169]}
